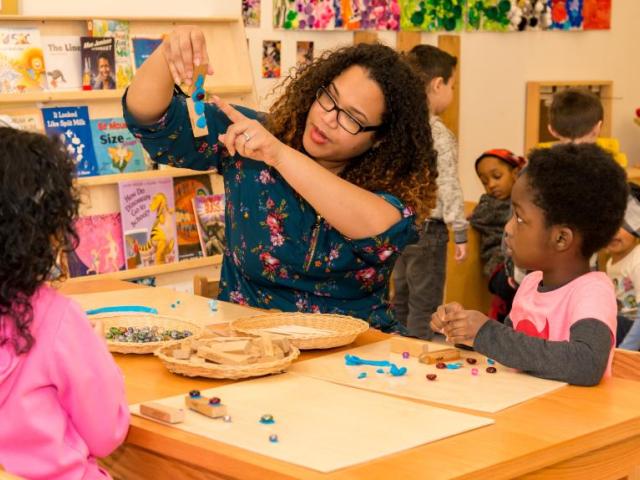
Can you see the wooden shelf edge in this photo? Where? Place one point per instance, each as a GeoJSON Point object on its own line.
{"type": "Point", "coordinates": [145, 175]}
{"type": "Point", "coordinates": [61, 18]}
{"type": "Point", "coordinates": [48, 96]}
{"type": "Point", "coordinates": [565, 83]}
{"type": "Point", "coordinates": [153, 270]}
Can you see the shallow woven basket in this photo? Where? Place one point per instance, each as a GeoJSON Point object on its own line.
{"type": "Point", "coordinates": [214, 370]}
{"type": "Point", "coordinates": [132, 319]}
{"type": "Point", "coordinates": [344, 329]}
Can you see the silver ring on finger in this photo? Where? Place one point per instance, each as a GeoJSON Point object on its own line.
{"type": "Point", "coordinates": [246, 136]}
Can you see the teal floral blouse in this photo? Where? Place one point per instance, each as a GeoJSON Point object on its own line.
{"type": "Point", "coordinates": [280, 253]}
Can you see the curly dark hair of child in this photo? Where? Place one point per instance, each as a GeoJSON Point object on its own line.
{"type": "Point", "coordinates": [574, 112]}
{"type": "Point", "coordinates": [580, 186]}
{"type": "Point", "coordinates": [430, 62]}
{"type": "Point", "coordinates": [38, 208]}
{"type": "Point", "coordinates": [404, 162]}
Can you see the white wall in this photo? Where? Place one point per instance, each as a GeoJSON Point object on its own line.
{"type": "Point", "coordinates": [495, 66]}
{"type": "Point", "coordinates": [133, 8]}
{"type": "Point", "coordinates": [495, 69]}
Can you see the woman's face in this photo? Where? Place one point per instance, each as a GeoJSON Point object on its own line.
{"type": "Point", "coordinates": [361, 97]}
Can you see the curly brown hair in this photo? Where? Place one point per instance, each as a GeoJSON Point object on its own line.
{"type": "Point", "coordinates": [403, 161]}
{"type": "Point", "coordinates": [38, 208]}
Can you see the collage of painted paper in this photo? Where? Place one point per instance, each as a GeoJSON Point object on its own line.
{"type": "Point", "coordinates": [442, 15]}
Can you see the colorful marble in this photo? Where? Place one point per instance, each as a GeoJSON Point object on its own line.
{"type": "Point", "coordinates": [267, 419]}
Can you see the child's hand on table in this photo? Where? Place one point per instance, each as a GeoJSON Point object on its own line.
{"type": "Point", "coordinates": [461, 326]}
{"type": "Point", "coordinates": [438, 319]}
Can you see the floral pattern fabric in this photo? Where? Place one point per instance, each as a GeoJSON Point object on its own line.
{"type": "Point", "coordinates": [280, 253]}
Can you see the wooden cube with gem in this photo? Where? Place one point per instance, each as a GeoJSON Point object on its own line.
{"type": "Point", "coordinates": [211, 407]}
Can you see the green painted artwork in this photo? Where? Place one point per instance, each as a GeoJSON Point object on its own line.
{"type": "Point", "coordinates": [488, 15]}
{"type": "Point", "coordinates": [432, 15]}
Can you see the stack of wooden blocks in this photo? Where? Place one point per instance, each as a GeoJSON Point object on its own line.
{"type": "Point", "coordinates": [233, 350]}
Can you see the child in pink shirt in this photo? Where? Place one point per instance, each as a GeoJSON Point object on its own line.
{"type": "Point", "coordinates": [567, 204]}
{"type": "Point", "coordinates": [62, 401]}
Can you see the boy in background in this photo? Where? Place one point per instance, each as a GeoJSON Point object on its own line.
{"type": "Point", "coordinates": [575, 116]}
{"type": "Point", "coordinates": [419, 273]}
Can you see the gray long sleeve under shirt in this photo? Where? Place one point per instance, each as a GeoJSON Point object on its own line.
{"type": "Point", "coordinates": [580, 361]}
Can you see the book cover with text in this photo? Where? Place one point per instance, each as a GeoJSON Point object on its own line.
{"type": "Point", "coordinates": [119, 30]}
{"type": "Point", "coordinates": [148, 222]}
{"type": "Point", "coordinates": [62, 58]}
{"type": "Point", "coordinates": [72, 125]}
{"type": "Point", "coordinates": [26, 118]}
{"type": "Point", "coordinates": [98, 63]}
{"type": "Point", "coordinates": [22, 66]}
{"type": "Point", "coordinates": [100, 246]}
{"type": "Point", "coordinates": [185, 190]}
{"type": "Point", "coordinates": [209, 211]}
{"type": "Point", "coordinates": [117, 150]}
{"type": "Point", "coordinates": [142, 47]}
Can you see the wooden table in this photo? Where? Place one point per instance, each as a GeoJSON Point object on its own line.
{"type": "Point", "coordinates": [573, 433]}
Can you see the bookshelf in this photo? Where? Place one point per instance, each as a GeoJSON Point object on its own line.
{"type": "Point", "coordinates": [155, 270]}
{"type": "Point", "coordinates": [101, 95]}
{"type": "Point", "coordinates": [233, 81]}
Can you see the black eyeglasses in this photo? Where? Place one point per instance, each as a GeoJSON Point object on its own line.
{"type": "Point", "coordinates": [345, 119]}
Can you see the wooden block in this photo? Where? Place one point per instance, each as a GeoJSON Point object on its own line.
{"type": "Point", "coordinates": [162, 412]}
{"type": "Point", "coordinates": [440, 356]}
{"type": "Point", "coordinates": [267, 345]}
{"type": "Point", "coordinates": [225, 358]}
{"type": "Point", "coordinates": [414, 346]}
{"type": "Point", "coordinates": [181, 353]}
{"type": "Point", "coordinates": [202, 405]}
{"type": "Point", "coordinates": [283, 344]}
{"type": "Point", "coordinates": [239, 346]}
{"type": "Point", "coordinates": [193, 117]}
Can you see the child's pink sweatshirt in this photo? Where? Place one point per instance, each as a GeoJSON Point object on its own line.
{"type": "Point", "coordinates": [62, 404]}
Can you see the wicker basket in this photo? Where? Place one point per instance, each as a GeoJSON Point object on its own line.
{"type": "Point", "coordinates": [129, 319]}
{"type": "Point", "coordinates": [344, 329]}
{"type": "Point", "coordinates": [213, 370]}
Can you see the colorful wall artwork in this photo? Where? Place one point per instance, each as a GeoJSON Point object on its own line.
{"type": "Point", "coordinates": [442, 15]}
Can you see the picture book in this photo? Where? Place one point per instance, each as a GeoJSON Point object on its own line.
{"type": "Point", "coordinates": [148, 222]}
{"type": "Point", "coordinates": [117, 150]}
{"type": "Point", "coordinates": [142, 47]}
{"type": "Point", "coordinates": [62, 58]}
{"type": "Point", "coordinates": [98, 63]}
{"type": "Point", "coordinates": [22, 67]}
{"type": "Point", "coordinates": [185, 190]}
{"type": "Point", "coordinates": [119, 30]}
{"type": "Point", "coordinates": [72, 125]}
{"type": "Point", "coordinates": [209, 211]}
{"type": "Point", "coordinates": [23, 118]}
{"type": "Point", "coordinates": [100, 246]}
